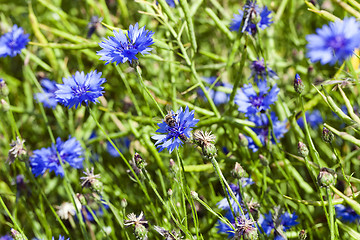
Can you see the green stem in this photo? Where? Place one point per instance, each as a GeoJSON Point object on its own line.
{"type": "Point", "coordinates": [331, 213]}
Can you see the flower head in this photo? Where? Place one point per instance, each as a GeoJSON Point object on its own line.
{"type": "Point", "coordinates": [217, 96]}
{"type": "Point", "coordinates": [347, 214]}
{"type": "Point", "coordinates": [254, 17]}
{"type": "Point", "coordinates": [90, 178]}
{"type": "Point", "coordinates": [11, 43]}
{"type": "Point", "coordinates": [175, 128]}
{"type": "Point", "coordinates": [334, 42]}
{"type": "Point", "coordinates": [66, 210]}
{"type": "Point", "coordinates": [245, 228]}
{"type": "Point", "coordinates": [47, 158]}
{"type": "Point", "coordinates": [260, 71]}
{"type": "Point", "coordinates": [171, 3]}
{"type": "Point", "coordinates": [6, 237]}
{"type": "Point", "coordinates": [250, 102]}
{"type": "Point", "coordinates": [47, 97]}
{"type": "Point", "coordinates": [80, 88]}
{"type": "Point", "coordinates": [17, 150]}
{"type": "Point", "coordinates": [285, 220]}
{"type": "Point", "coordinates": [122, 48]}
{"type": "Point", "coordinates": [262, 130]}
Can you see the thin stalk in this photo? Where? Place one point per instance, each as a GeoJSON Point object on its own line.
{"type": "Point", "coordinates": [331, 213]}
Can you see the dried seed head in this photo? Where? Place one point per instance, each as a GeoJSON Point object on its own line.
{"type": "Point", "coordinates": [169, 235]}
{"type": "Point", "coordinates": [91, 180]}
{"type": "Point", "coordinates": [17, 150]}
{"type": "Point", "coordinates": [133, 220]}
{"type": "Point", "coordinates": [302, 235]}
{"type": "Point", "coordinates": [205, 140]}
{"type": "Point", "coordinates": [245, 228]}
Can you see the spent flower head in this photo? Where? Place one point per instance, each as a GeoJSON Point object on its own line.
{"type": "Point", "coordinates": [17, 150]}
{"type": "Point", "coordinates": [11, 43]}
{"type": "Point", "coordinates": [334, 42]}
{"type": "Point", "coordinates": [90, 179]}
{"type": "Point", "coordinates": [169, 235]}
{"type": "Point", "coordinates": [245, 229]}
{"type": "Point", "coordinates": [175, 129]}
{"type": "Point", "coordinates": [205, 140]}
{"type": "Point", "coordinates": [66, 210]}
{"type": "Point", "coordinates": [80, 89]}
{"type": "Point", "coordinates": [326, 177]}
{"type": "Point", "coordinates": [122, 48]}
{"type": "Point", "coordinates": [44, 159]}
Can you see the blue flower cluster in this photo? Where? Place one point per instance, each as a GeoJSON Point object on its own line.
{"type": "Point", "coordinates": [44, 159]}
{"type": "Point", "coordinates": [122, 48]}
{"type": "Point", "coordinates": [11, 43]}
{"type": "Point", "coordinates": [334, 42]}
{"type": "Point", "coordinates": [260, 71]}
{"type": "Point", "coordinates": [174, 133]}
{"type": "Point", "coordinates": [217, 96]}
{"type": "Point", "coordinates": [251, 12]}
{"type": "Point", "coordinates": [287, 220]}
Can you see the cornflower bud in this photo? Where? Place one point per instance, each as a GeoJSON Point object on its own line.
{"type": "Point", "coordinates": [4, 105]}
{"type": "Point", "coordinates": [302, 235]}
{"type": "Point", "coordinates": [327, 135]}
{"type": "Point", "coordinates": [238, 172]}
{"type": "Point", "coordinates": [326, 177]}
{"type": "Point", "coordinates": [124, 203]}
{"type": "Point", "coordinates": [244, 229]}
{"type": "Point", "coordinates": [17, 235]}
{"type": "Point", "coordinates": [263, 160]}
{"type": "Point", "coordinates": [170, 192]}
{"type": "Point", "coordinates": [4, 90]}
{"type": "Point", "coordinates": [298, 84]}
{"type": "Point", "coordinates": [194, 194]}
{"type": "Point", "coordinates": [302, 149]}
{"type": "Point", "coordinates": [243, 140]}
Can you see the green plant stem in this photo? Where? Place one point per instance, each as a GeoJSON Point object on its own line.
{"type": "Point", "coordinates": [331, 214]}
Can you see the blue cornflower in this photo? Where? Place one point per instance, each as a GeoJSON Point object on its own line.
{"type": "Point", "coordinates": [250, 102]}
{"type": "Point", "coordinates": [313, 119]}
{"type": "Point", "coordinates": [121, 143]}
{"type": "Point", "coordinates": [217, 96]}
{"type": "Point", "coordinates": [11, 43]}
{"type": "Point", "coordinates": [252, 11]}
{"type": "Point", "coordinates": [224, 228]}
{"type": "Point", "coordinates": [80, 88]}
{"type": "Point", "coordinates": [122, 48]}
{"type": "Point", "coordinates": [171, 3]}
{"type": "Point", "coordinates": [258, 71]}
{"type": "Point", "coordinates": [60, 238]}
{"type": "Point", "coordinates": [70, 152]}
{"type": "Point", "coordinates": [287, 220]}
{"type": "Point", "coordinates": [347, 214]}
{"type": "Point", "coordinates": [262, 130]}
{"type": "Point", "coordinates": [6, 237]}
{"type": "Point", "coordinates": [47, 97]}
{"type": "Point", "coordinates": [174, 132]}
{"type": "Point", "coordinates": [334, 42]}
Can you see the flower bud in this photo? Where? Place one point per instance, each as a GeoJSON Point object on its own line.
{"type": "Point", "coordinates": [243, 140]}
{"type": "Point", "coordinates": [17, 235]}
{"type": "Point", "coordinates": [4, 90]}
{"type": "Point", "coordinates": [81, 199]}
{"type": "Point", "coordinates": [4, 105]}
{"type": "Point", "coordinates": [263, 160]}
{"type": "Point", "coordinates": [302, 149]}
{"type": "Point", "coordinates": [170, 192]}
{"type": "Point", "coordinates": [327, 135]}
{"type": "Point", "coordinates": [251, 234]}
{"type": "Point", "coordinates": [238, 172]}
{"type": "Point", "coordinates": [298, 84]}
{"type": "Point", "coordinates": [194, 194]}
{"type": "Point", "coordinates": [124, 203]}
{"type": "Point", "coordinates": [302, 235]}
{"type": "Point", "coordinates": [326, 177]}
{"type": "Point", "coordinates": [97, 186]}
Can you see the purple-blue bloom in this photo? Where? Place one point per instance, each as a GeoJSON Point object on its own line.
{"type": "Point", "coordinates": [262, 130]}
{"type": "Point", "coordinates": [11, 43]}
{"type": "Point", "coordinates": [6, 237]}
{"type": "Point", "coordinates": [334, 42]}
{"type": "Point", "coordinates": [171, 3]}
{"type": "Point", "coordinates": [252, 11]}
{"type": "Point", "coordinates": [287, 221]}
{"type": "Point", "coordinates": [80, 89]}
{"type": "Point", "coordinates": [217, 96]}
{"type": "Point", "coordinates": [313, 119]}
{"type": "Point", "coordinates": [258, 71]}
{"type": "Point", "coordinates": [250, 102]}
{"type": "Point", "coordinates": [223, 204]}
{"type": "Point", "coordinates": [172, 137]}
{"type": "Point", "coordinates": [224, 228]}
{"type": "Point", "coordinates": [60, 238]}
{"type": "Point", "coordinates": [47, 97]}
{"type": "Point", "coordinates": [346, 214]}
{"type": "Point", "coordinates": [44, 159]}
{"type": "Point", "coordinates": [122, 48]}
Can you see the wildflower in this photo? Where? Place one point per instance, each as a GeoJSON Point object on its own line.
{"type": "Point", "coordinates": [171, 3]}
{"type": "Point", "coordinates": [262, 131]}
{"type": "Point", "coordinates": [326, 177]}
{"type": "Point", "coordinates": [334, 42]}
{"type": "Point", "coordinates": [139, 223]}
{"type": "Point", "coordinates": [327, 135]}
{"type": "Point", "coordinates": [313, 119]}
{"type": "Point", "coordinates": [250, 102]}
{"type": "Point", "coordinates": [224, 228]}
{"type": "Point", "coordinates": [282, 222]}
{"type": "Point", "coordinates": [122, 48]}
{"type": "Point", "coordinates": [252, 18]}
{"type": "Point", "coordinates": [91, 180]}
{"type": "Point", "coordinates": [11, 43]}
{"type": "Point", "coordinates": [205, 140]}
{"type": "Point", "coordinates": [6, 237]}
{"type": "Point", "coordinates": [121, 143]}
{"type": "Point", "coordinates": [172, 135]}
{"type": "Point", "coordinates": [298, 84]}
{"type": "Point", "coordinates": [302, 234]}
{"type": "Point", "coordinates": [218, 97]}
{"type": "Point", "coordinates": [66, 210]}
{"type": "Point", "coordinates": [47, 158]}
{"type": "Point", "coordinates": [4, 90]}
{"type": "Point", "coordinates": [238, 172]}
{"type": "Point", "coordinates": [17, 235]}
{"type": "Point", "coordinates": [347, 214]}
{"type": "Point", "coordinates": [245, 228]}
{"type": "Point", "coordinates": [60, 238]}
{"type": "Point", "coordinates": [80, 88]}
{"type": "Point", "coordinates": [260, 71]}
{"type": "Point", "coordinates": [47, 97]}
{"type": "Point", "coordinates": [17, 150]}
{"type": "Point", "coordinates": [169, 235]}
